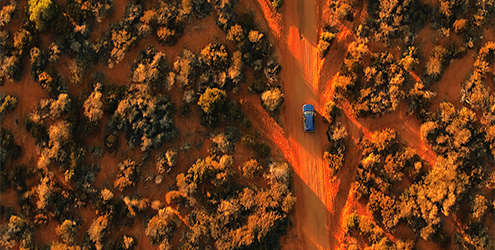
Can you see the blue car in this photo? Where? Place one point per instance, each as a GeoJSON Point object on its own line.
{"type": "Point", "coordinates": [309, 118]}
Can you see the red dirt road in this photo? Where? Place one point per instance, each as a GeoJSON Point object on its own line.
{"type": "Point", "coordinates": [314, 190]}
{"type": "Point", "coordinates": [301, 86]}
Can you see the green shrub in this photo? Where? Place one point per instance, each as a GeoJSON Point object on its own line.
{"type": "Point", "coordinates": [202, 8]}
{"type": "Point", "coordinates": [184, 110]}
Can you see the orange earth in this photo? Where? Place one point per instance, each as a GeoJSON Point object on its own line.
{"type": "Point", "coordinates": [322, 200]}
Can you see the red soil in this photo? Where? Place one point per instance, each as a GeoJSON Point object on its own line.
{"type": "Point", "coordinates": [196, 36]}
{"type": "Point", "coordinates": [322, 200]}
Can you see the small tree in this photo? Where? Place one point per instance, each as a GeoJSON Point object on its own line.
{"type": "Point", "coordinates": [335, 161]}
{"type": "Point", "coordinates": [226, 18]}
{"type": "Point", "coordinates": [7, 103]}
{"type": "Point", "coordinates": [251, 168]}
{"type": "Point", "coordinates": [45, 191]}
{"type": "Point", "coordinates": [434, 67]}
{"type": "Point", "coordinates": [41, 12]}
{"type": "Point", "coordinates": [62, 246]}
{"type": "Point", "coordinates": [97, 231]}
{"type": "Point", "coordinates": [164, 162]}
{"type": "Point", "coordinates": [171, 156]}
{"type": "Point", "coordinates": [460, 25]}
{"type": "Point", "coordinates": [174, 197]}
{"type": "Point", "coordinates": [127, 242]}
{"type": "Point", "coordinates": [161, 226]}
{"type": "Point", "coordinates": [223, 143]}
{"type": "Point", "coordinates": [236, 34]}
{"type": "Point", "coordinates": [16, 225]}
{"type": "Point", "coordinates": [435, 64]}
{"type": "Point", "coordinates": [7, 13]}
{"type": "Point", "coordinates": [212, 100]}
{"type": "Point", "coordinates": [384, 140]}
{"type": "Point", "coordinates": [127, 175]}
{"type": "Point", "coordinates": [106, 195]}
{"type": "Point", "coordinates": [150, 68]}
{"type": "Point", "coordinates": [272, 99]}
{"type": "Point", "coordinates": [332, 110]}
{"type": "Point", "coordinates": [93, 106]}
{"type": "Point", "coordinates": [215, 55]}
{"type": "Point", "coordinates": [185, 67]}
{"type": "Point", "coordinates": [326, 39]}
{"type": "Point", "coordinates": [67, 231]}
{"type": "Point", "coordinates": [59, 134]}
{"type": "Point", "coordinates": [234, 73]}
{"type": "Point", "coordinates": [146, 119]}
{"type": "Point", "coordinates": [479, 207]}
{"type": "Point", "coordinates": [409, 58]}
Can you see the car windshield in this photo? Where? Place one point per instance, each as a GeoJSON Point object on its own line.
{"type": "Point", "coordinates": [308, 107]}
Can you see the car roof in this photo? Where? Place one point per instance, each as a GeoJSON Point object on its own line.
{"type": "Point", "coordinates": [310, 122]}
{"type": "Point", "coordinates": [308, 107]}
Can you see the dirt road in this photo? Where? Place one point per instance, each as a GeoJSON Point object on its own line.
{"type": "Point", "coordinates": [301, 86]}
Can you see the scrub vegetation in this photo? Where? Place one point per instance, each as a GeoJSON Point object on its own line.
{"type": "Point", "coordinates": [149, 162]}
{"type": "Point", "coordinates": [433, 178]}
